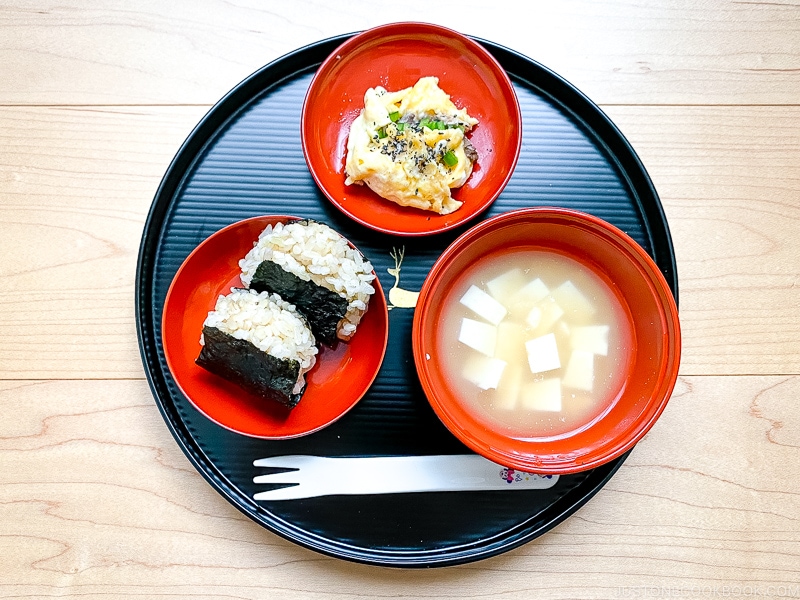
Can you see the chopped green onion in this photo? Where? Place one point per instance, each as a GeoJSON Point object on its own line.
{"type": "Point", "coordinates": [400, 127]}
{"type": "Point", "coordinates": [394, 116]}
{"type": "Point", "coordinates": [382, 133]}
{"type": "Point", "coordinates": [450, 158]}
{"type": "Point", "coordinates": [433, 124]}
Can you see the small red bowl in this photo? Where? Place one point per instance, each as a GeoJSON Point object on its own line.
{"type": "Point", "coordinates": [338, 380]}
{"type": "Point", "coordinates": [644, 297]}
{"type": "Point", "coordinates": [395, 56]}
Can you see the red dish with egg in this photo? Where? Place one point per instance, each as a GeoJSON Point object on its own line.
{"type": "Point", "coordinates": [381, 56]}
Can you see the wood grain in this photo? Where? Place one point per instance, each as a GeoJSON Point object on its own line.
{"type": "Point", "coordinates": [96, 500]}
{"type": "Point", "coordinates": [730, 182]}
{"type": "Point", "coordinates": [82, 179]}
{"type": "Point", "coordinates": [183, 52]}
{"type": "Point", "coordinates": [77, 185]}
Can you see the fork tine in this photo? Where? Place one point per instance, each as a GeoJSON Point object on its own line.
{"type": "Point", "coordinates": [283, 462]}
{"type": "Point", "coordinates": [285, 477]}
{"type": "Point", "coordinates": [287, 493]}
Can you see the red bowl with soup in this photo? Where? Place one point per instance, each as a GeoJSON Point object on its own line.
{"type": "Point", "coordinates": [547, 340]}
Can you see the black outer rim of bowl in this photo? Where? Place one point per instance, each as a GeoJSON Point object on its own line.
{"type": "Point", "coordinates": [293, 64]}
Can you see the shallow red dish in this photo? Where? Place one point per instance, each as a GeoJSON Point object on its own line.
{"type": "Point", "coordinates": [645, 296]}
{"type": "Point", "coordinates": [395, 56]}
{"type": "Point", "coordinates": [335, 384]}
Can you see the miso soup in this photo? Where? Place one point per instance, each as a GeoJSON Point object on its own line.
{"type": "Point", "coordinates": [535, 343]}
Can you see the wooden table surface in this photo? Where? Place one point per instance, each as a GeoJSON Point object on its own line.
{"type": "Point", "coordinates": [96, 498]}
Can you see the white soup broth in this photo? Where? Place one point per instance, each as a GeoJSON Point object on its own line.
{"type": "Point", "coordinates": [535, 343]}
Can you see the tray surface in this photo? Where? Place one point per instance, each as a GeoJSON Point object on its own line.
{"type": "Point", "coordinates": [245, 159]}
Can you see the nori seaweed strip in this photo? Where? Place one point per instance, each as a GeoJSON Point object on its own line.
{"type": "Point", "coordinates": [320, 306]}
{"type": "Point", "coordinates": [252, 369]}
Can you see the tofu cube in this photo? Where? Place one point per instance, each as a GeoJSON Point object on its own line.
{"type": "Point", "coordinates": [504, 286]}
{"type": "Point", "coordinates": [483, 371]}
{"type": "Point", "coordinates": [478, 335]}
{"type": "Point", "coordinates": [543, 353]}
{"type": "Point", "coordinates": [579, 373]}
{"type": "Point", "coordinates": [506, 396]}
{"type": "Point", "coordinates": [520, 304]}
{"type": "Point", "coordinates": [578, 308]}
{"type": "Point", "coordinates": [544, 395]}
{"type": "Point", "coordinates": [534, 318]}
{"type": "Point", "coordinates": [483, 305]}
{"type": "Point", "coordinates": [543, 317]}
{"type": "Point", "coordinates": [591, 338]}
{"type": "Point", "coordinates": [510, 342]}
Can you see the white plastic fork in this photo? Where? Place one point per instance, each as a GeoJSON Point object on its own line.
{"type": "Point", "coordinates": [325, 476]}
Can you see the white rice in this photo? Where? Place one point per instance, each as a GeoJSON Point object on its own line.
{"type": "Point", "coordinates": [314, 252]}
{"type": "Point", "coordinates": [269, 323]}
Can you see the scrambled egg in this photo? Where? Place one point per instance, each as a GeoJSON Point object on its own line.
{"type": "Point", "coordinates": [410, 147]}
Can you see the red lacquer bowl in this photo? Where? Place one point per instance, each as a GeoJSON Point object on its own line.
{"type": "Point", "coordinates": [395, 56]}
{"type": "Point", "coordinates": [336, 383]}
{"type": "Point", "coordinates": [651, 312]}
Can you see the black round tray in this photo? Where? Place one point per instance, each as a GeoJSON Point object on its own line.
{"type": "Point", "coordinates": [245, 159]}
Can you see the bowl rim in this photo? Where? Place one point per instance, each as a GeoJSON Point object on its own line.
{"type": "Point", "coordinates": [555, 463]}
{"type": "Point", "coordinates": [431, 29]}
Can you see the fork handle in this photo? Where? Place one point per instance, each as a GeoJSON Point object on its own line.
{"type": "Point", "coordinates": [393, 474]}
